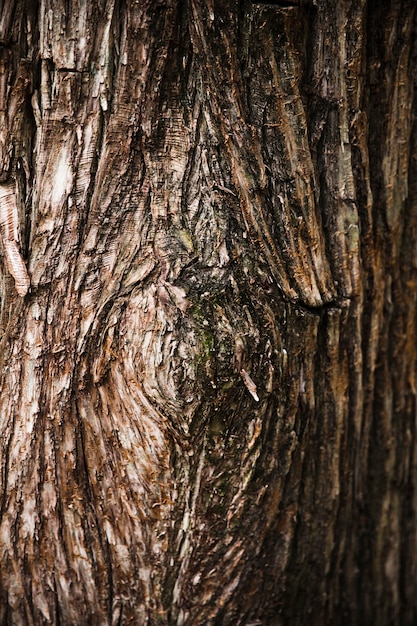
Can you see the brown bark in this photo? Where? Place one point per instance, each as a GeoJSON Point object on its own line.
{"type": "Point", "coordinates": [208, 223]}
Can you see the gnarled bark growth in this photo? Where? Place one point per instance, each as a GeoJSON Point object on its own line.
{"type": "Point", "coordinates": [208, 219]}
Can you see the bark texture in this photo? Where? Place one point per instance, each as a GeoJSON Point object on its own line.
{"type": "Point", "coordinates": [208, 219]}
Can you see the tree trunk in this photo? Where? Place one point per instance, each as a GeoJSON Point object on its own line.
{"type": "Point", "coordinates": [208, 219]}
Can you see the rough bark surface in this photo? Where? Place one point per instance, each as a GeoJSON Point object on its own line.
{"type": "Point", "coordinates": [208, 225]}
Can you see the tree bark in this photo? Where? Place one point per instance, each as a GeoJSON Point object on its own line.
{"type": "Point", "coordinates": [208, 223]}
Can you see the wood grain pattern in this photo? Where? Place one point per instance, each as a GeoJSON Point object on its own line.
{"type": "Point", "coordinates": [208, 394]}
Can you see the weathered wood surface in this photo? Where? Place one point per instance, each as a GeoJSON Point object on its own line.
{"type": "Point", "coordinates": [208, 389]}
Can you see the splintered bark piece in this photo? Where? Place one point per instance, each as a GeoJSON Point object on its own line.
{"type": "Point", "coordinates": [9, 233]}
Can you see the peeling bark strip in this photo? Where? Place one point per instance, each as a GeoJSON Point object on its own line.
{"type": "Point", "coordinates": [250, 385]}
{"type": "Point", "coordinates": [9, 233]}
{"type": "Point", "coordinates": [208, 397]}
